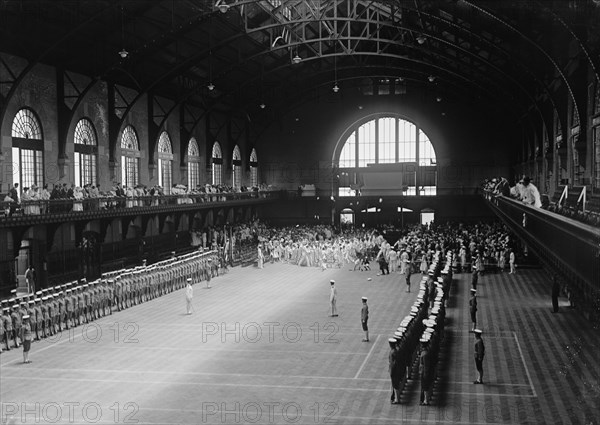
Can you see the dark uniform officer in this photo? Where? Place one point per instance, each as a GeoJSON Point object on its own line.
{"type": "Point", "coordinates": [479, 354]}
{"type": "Point", "coordinates": [425, 371]}
{"type": "Point", "coordinates": [473, 308]}
{"type": "Point", "coordinates": [364, 317]}
{"type": "Point", "coordinates": [394, 369]}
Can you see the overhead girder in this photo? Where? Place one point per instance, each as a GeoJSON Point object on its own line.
{"type": "Point", "coordinates": [248, 59]}
{"type": "Point", "coordinates": [321, 14]}
{"type": "Point", "coordinates": [203, 54]}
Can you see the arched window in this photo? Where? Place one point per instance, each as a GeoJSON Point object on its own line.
{"type": "Point", "coordinates": [253, 168]}
{"type": "Point", "coordinates": [596, 136]}
{"type": "Point", "coordinates": [217, 164]}
{"type": "Point", "coordinates": [236, 165]}
{"type": "Point", "coordinates": [27, 149]}
{"type": "Point", "coordinates": [130, 157]}
{"type": "Point", "coordinates": [86, 153]}
{"type": "Point", "coordinates": [193, 164]}
{"type": "Point", "coordinates": [388, 140]}
{"type": "Point", "coordinates": [165, 160]}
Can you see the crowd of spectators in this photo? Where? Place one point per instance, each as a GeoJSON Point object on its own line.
{"type": "Point", "coordinates": [528, 193]}
{"type": "Point", "coordinates": [64, 198]}
{"type": "Point", "coordinates": [524, 190]}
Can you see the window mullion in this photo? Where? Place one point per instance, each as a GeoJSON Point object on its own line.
{"type": "Point", "coordinates": [377, 141]}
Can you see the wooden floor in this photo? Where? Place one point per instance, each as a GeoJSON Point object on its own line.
{"type": "Point", "coordinates": [260, 348]}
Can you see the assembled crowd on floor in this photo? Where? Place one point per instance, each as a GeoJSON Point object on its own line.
{"type": "Point", "coordinates": [479, 246]}
{"type": "Point", "coordinates": [53, 310]}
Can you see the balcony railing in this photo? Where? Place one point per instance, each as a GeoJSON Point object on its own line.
{"type": "Point", "coordinates": [59, 209]}
{"type": "Point", "coordinates": [567, 246]}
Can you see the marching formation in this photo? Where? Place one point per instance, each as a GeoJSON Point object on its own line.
{"type": "Point", "coordinates": [52, 310]}
{"type": "Point", "coordinates": [416, 342]}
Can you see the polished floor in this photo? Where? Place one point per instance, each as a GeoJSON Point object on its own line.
{"type": "Point", "coordinates": [260, 348]}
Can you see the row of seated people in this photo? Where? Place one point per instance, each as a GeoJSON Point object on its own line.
{"type": "Point", "coordinates": [62, 307]}
{"type": "Point", "coordinates": [33, 200]}
{"type": "Point", "coordinates": [566, 200]}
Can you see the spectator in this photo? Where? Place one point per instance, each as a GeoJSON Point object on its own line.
{"type": "Point", "coordinates": [530, 193]}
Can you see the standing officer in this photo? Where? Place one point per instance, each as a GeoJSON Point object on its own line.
{"type": "Point", "coordinates": [8, 327]}
{"type": "Point", "coordinates": [474, 279]}
{"type": "Point", "coordinates": [82, 304]}
{"type": "Point", "coordinates": [87, 304]}
{"type": "Point", "coordinates": [555, 294]}
{"type": "Point", "coordinates": [53, 312]}
{"type": "Point", "coordinates": [473, 308]}
{"type": "Point", "coordinates": [189, 295]}
{"type": "Point", "coordinates": [364, 317]}
{"type": "Point", "coordinates": [110, 295]}
{"type": "Point", "coordinates": [333, 299]}
{"type": "Point", "coordinates": [479, 354]}
{"type": "Point", "coordinates": [62, 317]}
{"type": "Point", "coordinates": [69, 314]}
{"type": "Point", "coordinates": [39, 318]}
{"type": "Point", "coordinates": [208, 271]}
{"type": "Point", "coordinates": [118, 292]}
{"type": "Point", "coordinates": [395, 369]}
{"type": "Point", "coordinates": [16, 323]}
{"type": "Point", "coordinates": [425, 371]}
{"type": "Point", "coordinates": [44, 306]}
{"type": "Point", "coordinates": [31, 313]}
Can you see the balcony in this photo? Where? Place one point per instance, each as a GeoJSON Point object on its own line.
{"type": "Point", "coordinates": [566, 246]}
{"type": "Point", "coordinates": [63, 210]}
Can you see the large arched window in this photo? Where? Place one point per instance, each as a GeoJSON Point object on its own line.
{"type": "Point", "coordinates": [193, 164]}
{"type": "Point", "coordinates": [388, 140]}
{"type": "Point", "coordinates": [236, 165]}
{"type": "Point", "coordinates": [217, 164]}
{"type": "Point", "coordinates": [130, 157]}
{"type": "Point", "coordinates": [27, 149]}
{"type": "Point", "coordinates": [253, 168]}
{"type": "Point", "coordinates": [165, 160]}
{"type": "Point", "coordinates": [86, 153]}
{"type": "Point", "coordinates": [596, 136]}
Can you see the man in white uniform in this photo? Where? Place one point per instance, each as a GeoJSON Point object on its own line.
{"type": "Point", "coordinates": [189, 295]}
{"type": "Point", "coordinates": [333, 299]}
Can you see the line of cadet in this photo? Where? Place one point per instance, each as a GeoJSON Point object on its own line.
{"type": "Point", "coordinates": [416, 343]}
{"type": "Point", "coordinates": [63, 307]}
